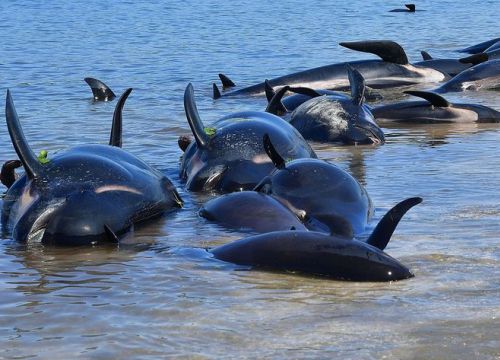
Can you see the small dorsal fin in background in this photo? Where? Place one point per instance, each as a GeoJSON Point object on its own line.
{"type": "Point", "coordinates": [115, 139]}
{"type": "Point", "coordinates": [433, 98]}
{"type": "Point", "coordinates": [275, 106]}
{"type": "Point", "coordinates": [275, 157]}
{"type": "Point", "coordinates": [226, 82]}
{"type": "Point", "coordinates": [357, 82]}
{"type": "Point", "coordinates": [269, 91]}
{"type": "Point", "coordinates": [100, 90]}
{"type": "Point", "coordinates": [426, 55]}
{"type": "Point", "coordinates": [30, 162]}
{"type": "Point", "coordinates": [475, 59]}
{"type": "Point", "coordinates": [193, 118]}
{"type": "Point", "coordinates": [385, 228]}
{"type": "Point", "coordinates": [8, 174]}
{"type": "Point", "coordinates": [216, 92]}
{"type": "Point", "coordinates": [387, 50]}
{"type": "Point", "coordinates": [110, 235]}
{"type": "Point", "coordinates": [410, 7]}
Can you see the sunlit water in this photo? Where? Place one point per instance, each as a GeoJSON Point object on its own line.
{"type": "Point", "coordinates": [166, 297]}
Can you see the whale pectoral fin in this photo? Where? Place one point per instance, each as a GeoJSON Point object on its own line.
{"type": "Point", "coordinates": [269, 91]}
{"type": "Point", "coordinates": [193, 118]}
{"type": "Point", "coordinates": [100, 90]}
{"type": "Point", "coordinates": [8, 174]}
{"type": "Point", "coordinates": [110, 235]}
{"type": "Point", "coordinates": [475, 59]}
{"type": "Point", "coordinates": [389, 51]}
{"type": "Point", "coordinates": [115, 139]}
{"type": "Point", "coordinates": [275, 157]}
{"type": "Point", "coordinates": [385, 228]}
{"type": "Point", "coordinates": [426, 55]}
{"type": "Point", "coordinates": [433, 98]}
{"type": "Point", "coordinates": [357, 82]}
{"type": "Point", "coordinates": [215, 92]}
{"type": "Point", "coordinates": [410, 7]}
{"type": "Point", "coordinates": [275, 106]}
{"type": "Point", "coordinates": [226, 82]}
{"type": "Point", "coordinates": [30, 162]}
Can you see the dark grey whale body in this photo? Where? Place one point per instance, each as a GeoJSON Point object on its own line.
{"type": "Point", "coordinates": [481, 47]}
{"type": "Point", "coordinates": [392, 71]}
{"type": "Point", "coordinates": [317, 253]}
{"type": "Point", "coordinates": [451, 67]}
{"type": "Point", "coordinates": [483, 76]}
{"type": "Point", "coordinates": [435, 109]}
{"type": "Point", "coordinates": [230, 156]}
{"type": "Point", "coordinates": [89, 194]}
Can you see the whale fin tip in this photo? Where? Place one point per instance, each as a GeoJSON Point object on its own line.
{"type": "Point", "coordinates": [387, 50]}
{"type": "Point", "coordinates": [226, 81]}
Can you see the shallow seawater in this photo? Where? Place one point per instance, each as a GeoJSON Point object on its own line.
{"type": "Point", "coordinates": [161, 295]}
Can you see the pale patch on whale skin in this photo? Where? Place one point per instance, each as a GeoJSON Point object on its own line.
{"type": "Point", "coordinates": [123, 188]}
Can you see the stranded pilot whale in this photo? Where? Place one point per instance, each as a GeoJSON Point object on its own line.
{"type": "Point", "coordinates": [316, 253]}
{"type": "Point", "coordinates": [330, 118]}
{"type": "Point", "coordinates": [435, 109]}
{"type": "Point", "coordinates": [230, 156]}
{"type": "Point", "coordinates": [451, 67]}
{"type": "Point", "coordinates": [482, 76]}
{"type": "Point", "coordinates": [392, 71]}
{"type": "Point", "coordinates": [88, 194]}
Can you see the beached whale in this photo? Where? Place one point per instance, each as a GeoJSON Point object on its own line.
{"type": "Point", "coordinates": [483, 76]}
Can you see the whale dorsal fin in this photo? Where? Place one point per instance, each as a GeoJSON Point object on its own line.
{"type": "Point", "coordinates": [215, 92]}
{"type": "Point", "coordinates": [275, 157]}
{"type": "Point", "coordinates": [426, 55]}
{"type": "Point", "coordinates": [100, 90]}
{"type": "Point", "coordinates": [226, 82]}
{"type": "Point", "coordinates": [433, 98]}
{"type": "Point", "coordinates": [30, 162]}
{"type": "Point", "coordinates": [410, 7]}
{"type": "Point", "coordinates": [475, 59]}
{"type": "Point", "coordinates": [275, 106]}
{"type": "Point", "coordinates": [387, 50]}
{"type": "Point", "coordinates": [385, 228]}
{"type": "Point", "coordinates": [305, 91]}
{"type": "Point", "coordinates": [115, 139]}
{"type": "Point", "coordinates": [357, 82]}
{"type": "Point", "coordinates": [269, 91]}
{"type": "Point", "coordinates": [201, 137]}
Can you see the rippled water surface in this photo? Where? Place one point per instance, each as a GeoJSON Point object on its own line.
{"type": "Point", "coordinates": [165, 297]}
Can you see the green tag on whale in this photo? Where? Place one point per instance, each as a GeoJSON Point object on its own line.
{"type": "Point", "coordinates": [42, 157]}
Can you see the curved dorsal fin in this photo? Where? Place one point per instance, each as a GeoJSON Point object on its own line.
{"type": "Point", "coordinates": [385, 228]}
{"type": "Point", "coordinates": [215, 92]}
{"type": "Point", "coordinates": [387, 50]}
{"type": "Point", "coordinates": [100, 90]}
{"type": "Point", "coordinates": [275, 157]}
{"type": "Point", "coordinates": [357, 82]}
{"type": "Point", "coordinates": [433, 98]}
{"type": "Point", "coordinates": [226, 82]}
{"type": "Point", "coordinates": [275, 106]}
{"type": "Point", "coordinates": [305, 91]}
{"type": "Point", "coordinates": [426, 55]}
{"type": "Point", "coordinates": [269, 91]}
{"type": "Point", "coordinates": [30, 162]}
{"type": "Point", "coordinates": [193, 118]}
{"type": "Point", "coordinates": [115, 139]}
{"type": "Point", "coordinates": [8, 173]}
{"type": "Point", "coordinates": [475, 59]}
{"type": "Point", "coordinates": [410, 7]}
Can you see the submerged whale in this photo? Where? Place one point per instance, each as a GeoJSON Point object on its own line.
{"type": "Point", "coordinates": [330, 118]}
{"type": "Point", "coordinates": [409, 8]}
{"type": "Point", "coordinates": [316, 253]}
{"type": "Point", "coordinates": [392, 71]}
{"type": "Point", "coordinates": [435, 109]}
{"type": "Point", "coordinates": [88, 194]}
{"type": "Point", "coordinates": [230, 155]}
{"type": "Point", "coordinates": [451, 67]}
{"type": "Point", "coordinates": [481, 47]}
{"type": "Point", "coordinates": [483, 76]}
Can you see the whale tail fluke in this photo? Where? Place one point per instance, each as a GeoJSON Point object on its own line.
{"type": "Point", "coordinates": [387, 50]}
{"type": "Point", "coordinates": [357, 82]}
{"type": "Point", "coordinates": [100, 90]}
{"type": "Point", "coordinates": [115, 139]}
{"type": "Point", "coordinates": [30, 162]}
{"type": "Point", "coordinates": [475, 59]}
{"type": "Point", "coordinates": [216, 92]}
{"type": "Point", "coordinates": [226, 81]}
{"type": "Point", "coordinates": [193, 117]}
{"type": "Point", "coordinates": [425, 55]}
{"type": "Point", "coordinates": [269, 91]}
{"type": "Point", "coordinates": [385, 228]}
